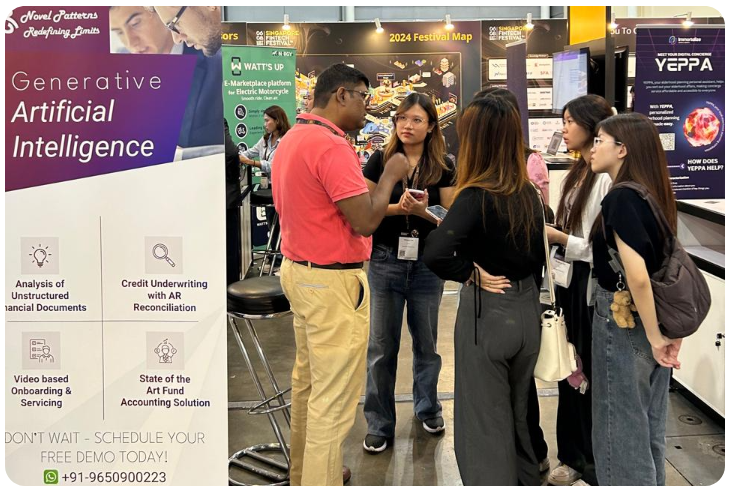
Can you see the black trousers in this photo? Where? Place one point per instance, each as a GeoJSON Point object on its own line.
{"type": "Point", "coordinates": [574, 411]}
{"type": "Point", "coordinates": [233, 245]}
{"type": "Point", "coordinates": [533, 419]}
{"type": "Point", "coordinates": [494, 366]}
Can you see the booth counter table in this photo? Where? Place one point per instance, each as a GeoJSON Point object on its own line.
{"type": "Point", "coordinates": [701, 232]}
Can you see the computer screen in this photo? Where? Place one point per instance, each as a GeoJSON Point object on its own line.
{"type": "Point", "coordinates": [570, 77]}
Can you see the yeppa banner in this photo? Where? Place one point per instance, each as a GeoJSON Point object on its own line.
{"type": "Point", "coordinates": [680, 86]}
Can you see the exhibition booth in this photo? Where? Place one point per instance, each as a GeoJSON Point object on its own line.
{"type": "Point", "coordinates": [676, 83]}
{"type": "Point", "coordinates": [117, 211]}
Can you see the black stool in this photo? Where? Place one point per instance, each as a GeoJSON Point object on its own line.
{"type": "Point", "coordinates": [263, 198]}
{"type": "Point", "coordinates": [260, 299]}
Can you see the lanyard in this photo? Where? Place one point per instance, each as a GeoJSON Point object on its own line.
{"type": "Point", "coordinates": [303, 121]}
{"type": "Point", "coordinates": [408, 183]}
{"type": "Point", "coordinates": [271, 149]}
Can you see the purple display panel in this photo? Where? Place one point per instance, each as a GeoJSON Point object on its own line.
{"type": "Point", "coordinates": [58, 108]}
{"type": "Point", "coordinates": [680, 86]}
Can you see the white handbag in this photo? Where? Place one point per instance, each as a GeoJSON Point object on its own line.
{"type": "Point", "coordinates": [557, 356]}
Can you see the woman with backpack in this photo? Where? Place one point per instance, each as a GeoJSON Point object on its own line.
{"type": "Point", "coordinates": [631, 366]}
{"type": "Point", "coordinates": [579, 205]}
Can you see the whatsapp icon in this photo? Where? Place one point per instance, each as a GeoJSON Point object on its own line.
{"type": "Point", "coordinates": [50, 476]}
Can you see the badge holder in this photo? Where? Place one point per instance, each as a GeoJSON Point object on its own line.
{"type": "Point", "coordinates": [408, 246]}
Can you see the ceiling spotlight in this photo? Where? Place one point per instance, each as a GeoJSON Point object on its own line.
{"type": "Point", "coordinates": [286, 23]}
{"type": "Point", "coordinates": [613, 24]}
{"type": "Point", "coordinates": [448, 23]}
{"type": "Point", "coordinates": [688, 22]}
{"type": "Point", "coordinates": [529, 24]}
{"type": "Point", "coordinates": [379, 29]}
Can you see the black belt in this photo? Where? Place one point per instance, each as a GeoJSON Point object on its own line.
{"type": "Point", "coordinates": [335, 266]}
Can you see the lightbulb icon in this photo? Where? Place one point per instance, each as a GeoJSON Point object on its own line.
{"type": "Point", "coordinates": [40, 255]}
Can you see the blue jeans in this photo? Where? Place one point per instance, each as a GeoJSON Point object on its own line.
{"type": "Point", "coordinates": [394, 282]}
{"type": "Point", "coordinates": [629, 402]}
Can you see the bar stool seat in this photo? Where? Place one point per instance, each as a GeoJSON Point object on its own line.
{"type": "Point", "coordinates": [264, 297]}
{"type": "Point", "coordinates": [262, 197]}
{"type": "Point", "coordinates": [260, 298]}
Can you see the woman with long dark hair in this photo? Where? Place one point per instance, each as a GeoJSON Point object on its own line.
{"type": "Point", "coordinates": [397, 274]}
{"type": "Point", "coordinates": [494, 226]}
{"type": "Point", "coordinates": [579, 205]}
{"type": "Point", "coordinates": [631, 365]}
{"type": "Point", "coordinates": [539, 175]}
{"type": "Point", "coordinates": [276, 126]}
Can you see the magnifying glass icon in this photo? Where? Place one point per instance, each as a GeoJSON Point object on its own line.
{"type": "Point", "coordinates": [160, 252]}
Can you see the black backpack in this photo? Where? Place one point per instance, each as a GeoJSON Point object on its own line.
{"type": "Point", "coordinates": [680, 292]}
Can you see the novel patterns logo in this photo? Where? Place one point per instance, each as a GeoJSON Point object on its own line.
{"type": "Point", "coordinates": [10, 25]}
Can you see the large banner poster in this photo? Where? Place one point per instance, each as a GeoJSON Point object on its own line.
{"type": "Point", "coordinates": [406, 57]}
{"type": "Point", "coordinates": [256, 78]}
{"type": "Point", "coordinates": [625, 35]}
{"type": "Point", "coordinates": [115, 328]}
{"type": "Point", "coordinates": [546, 37]}
{"type": "Point", "coordinates": [680, 86]}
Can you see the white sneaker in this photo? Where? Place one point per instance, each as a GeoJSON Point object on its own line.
{"type": "Point", "coordinates": [563, 475]}
{"type": "Point", "coordinates": [544, 466]}
{"type": "Point", "coordinates": [580, 482]}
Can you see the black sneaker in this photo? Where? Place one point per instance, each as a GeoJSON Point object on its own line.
{"type": "Point", "coordinates": [434, 425]}
{"type": "Point", "coordinates": [375, 444]}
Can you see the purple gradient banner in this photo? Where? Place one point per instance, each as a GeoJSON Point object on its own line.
{"type": "Point", "coordinates": [680, 86]}
{"type": "Point", "coordinates": [68, 29]}
{"type": "Point", "coordinates": [78, 115]}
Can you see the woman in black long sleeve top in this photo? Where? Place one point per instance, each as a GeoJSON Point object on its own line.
{"type": "Point", "coordinates": [494, 225]}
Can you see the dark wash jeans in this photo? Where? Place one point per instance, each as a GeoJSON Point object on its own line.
{"type": "Point", "coordinates": [393, 283]}
{"type": "Point", "coordinates": [629, 402]}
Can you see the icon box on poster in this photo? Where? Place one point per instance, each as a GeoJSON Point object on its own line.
{"type": "Point", "coordinates": [39, 255]}
{"type": "Point", "coordinates": [41, 350]}
{"type": "Point", "coordinates": [163, 255]}
{"type": "Point", "coordinates": [165, 351]}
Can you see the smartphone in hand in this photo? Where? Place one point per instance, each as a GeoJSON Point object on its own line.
{"type": "Point", "coordinates": [417, 194]}
{"type": "Point", "coordinates": [437, 211]}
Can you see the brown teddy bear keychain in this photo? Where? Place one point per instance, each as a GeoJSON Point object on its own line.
{"type": "Point", "coordinates": [621, 308]}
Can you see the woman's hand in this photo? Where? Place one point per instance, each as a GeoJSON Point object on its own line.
{"type": "Point", "coordinates": [666, 352]}
{"type": "Point", "coordinates": [246, 160]}
{"type": "Point", "coordinates": [554, 236]}
{"type": "Point", "coordinates": [412, 206]}
{"type": "Point", "coordinates": [492, 284]}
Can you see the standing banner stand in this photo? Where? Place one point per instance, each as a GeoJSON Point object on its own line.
{"type": "Point", "coordinates": [679, 84]}
{"type": "Point", "coordinates": [115, 328]}
{"type": "Point", "coordinates": [256, 78]}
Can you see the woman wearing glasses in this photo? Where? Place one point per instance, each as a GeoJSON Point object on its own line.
{"type": "Point", "coordinates": [398, 275]}
{"type": "Point", "coordinates": [632, 366]}
{"type": "Point", "coordinates": [579, 205]}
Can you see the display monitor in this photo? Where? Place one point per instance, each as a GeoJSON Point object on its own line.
{"type": "Point", "coordinates": [570, 77]}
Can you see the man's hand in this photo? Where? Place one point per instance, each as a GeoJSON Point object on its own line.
{"type": "Point", "coordinates": [396, 168]}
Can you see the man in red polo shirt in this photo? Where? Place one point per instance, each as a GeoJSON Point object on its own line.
{"type": "Point", "coordinates": [326, 217]}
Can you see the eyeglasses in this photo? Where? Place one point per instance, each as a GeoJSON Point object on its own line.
{"type": "Point", "coordinates": [597, 141]}
{"type": "Point", "coordinates": [364, 94]}
{"type": "Point", "coordinates": [172, 22]}
{"type": "Point", "coordinates": [402, 120]}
